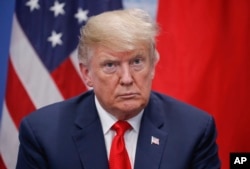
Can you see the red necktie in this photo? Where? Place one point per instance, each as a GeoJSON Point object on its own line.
{"type": "Point", "coordinates": [118, 158]}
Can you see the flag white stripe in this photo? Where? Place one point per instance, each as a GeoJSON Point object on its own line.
{"type": "Point", "coordinates": [39, 85]}
{"type": "Point", "coordinates": [75, 62]}
{"type": "Point", "coordinates": [9, 143]}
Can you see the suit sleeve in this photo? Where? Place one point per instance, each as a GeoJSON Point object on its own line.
{"type": "Point", "coordinates": [30, 155]}
{"type": "Point", "coordinates": [206, 152]}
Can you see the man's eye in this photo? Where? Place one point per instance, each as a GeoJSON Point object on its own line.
{"type": "Point", "coordinates": [137, 64]}
{"type": "Point", "coordinates": [109, 67]}
{"type": "Point", "coordinates": [137, 61]}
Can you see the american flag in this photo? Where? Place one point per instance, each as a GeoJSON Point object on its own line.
{"type": "Point", "coordinates": [43, 66]}
{"type": "Point", "coordinates": [155, 140]}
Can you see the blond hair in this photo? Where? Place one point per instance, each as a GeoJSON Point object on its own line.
{"type": "Point", "coordinates": [119, 30]}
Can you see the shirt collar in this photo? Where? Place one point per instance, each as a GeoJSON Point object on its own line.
{"type": "Point", "coordinates": [107, 119]}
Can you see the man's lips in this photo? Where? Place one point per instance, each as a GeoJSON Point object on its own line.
{"type": "Point", "coordinates": [128, 95]}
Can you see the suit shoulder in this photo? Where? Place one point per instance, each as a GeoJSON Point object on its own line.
{"type": "Point", "coordinates": [176, 107]}
{"type": "Point", "coordinates": [62, 109]}
{"type": "Point", "coordinates": [179, 116]}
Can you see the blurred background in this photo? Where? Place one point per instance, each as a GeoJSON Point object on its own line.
{"type": "Point", "coordinates": [204, 51]}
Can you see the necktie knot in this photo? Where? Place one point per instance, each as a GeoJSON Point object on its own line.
{"type": "Point", "coordinates": [121, 127]}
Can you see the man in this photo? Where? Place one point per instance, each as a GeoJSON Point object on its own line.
{"type": "Point", "coordinates": [117, 57]}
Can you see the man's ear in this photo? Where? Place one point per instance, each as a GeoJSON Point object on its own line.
{"type": "Point", "coordinates": [155, 62]}
{"type": "Point", "coordinates": [86, 74]}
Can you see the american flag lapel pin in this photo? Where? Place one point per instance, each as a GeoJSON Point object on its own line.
{"type": "Point", "coordinates": [155, 140]}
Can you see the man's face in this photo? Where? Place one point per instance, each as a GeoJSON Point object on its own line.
{"type": "Point", "coordinates": [121, 80]}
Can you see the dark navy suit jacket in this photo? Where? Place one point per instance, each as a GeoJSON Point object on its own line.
{"type": "Point", "coordinates": [68, 135]}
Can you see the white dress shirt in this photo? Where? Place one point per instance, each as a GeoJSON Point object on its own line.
{"type": "Point", "coordinates": [130, 137]}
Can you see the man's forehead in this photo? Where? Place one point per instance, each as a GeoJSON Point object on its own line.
{"type": "Point", "coordinates": [122, 54]}
{"type": "Point", "coordinates": [114, 51]}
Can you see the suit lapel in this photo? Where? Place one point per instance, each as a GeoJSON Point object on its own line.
{"type": "Point", "coordinates": [88, 137]}
{"type": "Point", "coordinates": [152, 139]}
{"type": "Point", "coordinates": [91, 147]}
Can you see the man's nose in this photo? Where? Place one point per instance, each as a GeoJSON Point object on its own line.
{"type": "Point", "coordinates": [126, 77]}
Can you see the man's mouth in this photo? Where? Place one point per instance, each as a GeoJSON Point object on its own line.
{"type": "Point", "coordinates": [128, 95]}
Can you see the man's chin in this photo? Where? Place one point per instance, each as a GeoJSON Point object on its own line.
{"type": "Point", "coordinates": [130, 108]}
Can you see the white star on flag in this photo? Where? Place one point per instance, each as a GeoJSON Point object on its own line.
{"type": "Point", "coordinates": [81, 15]}
{"type": "Point", "coordinates": [155, 140]}
{"type": "Point", "coordinates": [33, 4]}
{"type": "Point", "coordinates": [57, 8]}
{"type": "Point", "coordinates": [55, 38]}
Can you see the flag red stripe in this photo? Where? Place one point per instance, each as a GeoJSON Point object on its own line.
{"type": "Point", "coordinates": [17, 99]}
{"type": "Point", "coordinates": [2, 166]}
{"type": "Point", "coordinates": [73, 85]}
